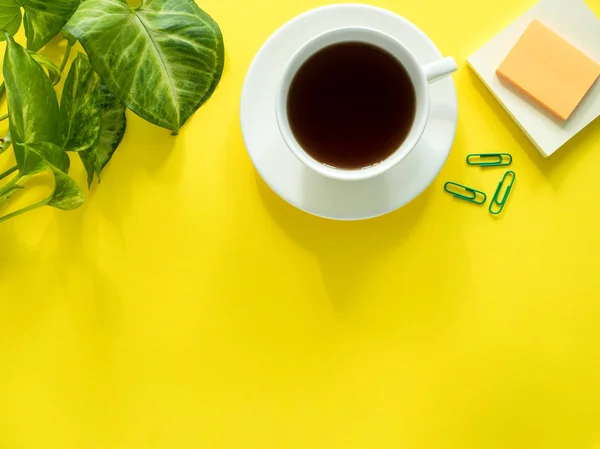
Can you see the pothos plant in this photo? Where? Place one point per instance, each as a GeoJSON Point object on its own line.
{"type": "Point", "coordinates": [161, 59]}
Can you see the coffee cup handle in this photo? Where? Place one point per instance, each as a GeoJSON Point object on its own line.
{"type": "Point", "coordinates": [437, 70]}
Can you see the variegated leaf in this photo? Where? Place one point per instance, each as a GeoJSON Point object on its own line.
{"type": "Point", "coordinates": [32, 106]}
{"type": "Point", "coordinates": [54, 157]}
{"type": "Point", "coordinates": [80, 106]}
{"type": "Point", "coordinates": [112, 129]}
{"type": "Point", "coordinates": [67, 195]}
{"type": "Point", "coordinates": [43, 19]}
{"type": "Point", "coordinates": [163, 59]}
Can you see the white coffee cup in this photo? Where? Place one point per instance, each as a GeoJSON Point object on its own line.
{"type": "Point", "coordinates": [421, 77]}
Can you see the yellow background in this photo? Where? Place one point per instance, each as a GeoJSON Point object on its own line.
{"type": "Point", "coordinates": [186, 306]}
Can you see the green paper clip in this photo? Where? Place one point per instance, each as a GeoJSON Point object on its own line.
{"type": "Point", "coordinates": [473, 194]}
{"type": "Point", "coordinates": [500, 204]}
{"type": "Point", "coordinates": [490, 159]}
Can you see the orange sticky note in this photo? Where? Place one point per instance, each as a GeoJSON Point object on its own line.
{"type": "Point", "coordinates": [549, 69]}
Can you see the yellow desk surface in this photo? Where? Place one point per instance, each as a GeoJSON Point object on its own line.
{"type": "Point", "coordinates": [187, 306]}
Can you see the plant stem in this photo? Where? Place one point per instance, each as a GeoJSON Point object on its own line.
{"type": "Point", "coordinates": [9, 185]}
{"type": "Point", "coordinates": [2, 89]}
{"type": "Point", "coordinates": [65, 58]}
{"type": "Point", "coordinates": [3, 117]}
{"type": "Point", "coordinates": [7, 190]}
{"type": "Point", "coordinates": [9, 193]}
{"type": "Point", "coordinates": [25, 209]}
{"type": "Point", "coordinates": [8, 172]}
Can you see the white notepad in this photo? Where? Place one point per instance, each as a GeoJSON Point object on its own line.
{"type": "Point", "coordinates": [574, 21]}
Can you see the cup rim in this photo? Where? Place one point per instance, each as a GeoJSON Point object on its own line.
{"type": "Point", "coordinates": [311, 47]}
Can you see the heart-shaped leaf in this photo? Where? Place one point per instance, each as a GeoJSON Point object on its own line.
{"type": "Point", "coordinates": [163, 59]}
{"type": "Point", "coordinates": [10, 17]}
{"type": "Point", "coordinates": [80, 106]}
{"type": "Point", "coordinates": [53, 156]}
{"type": "Point", "coordinates": [67, 195]}
{"type": "Point", "coordinates": [43, 18]}
{"type": "Point", "coordinates": [112, 129]}
{"type": "Point", "coordinates": [32, 106]}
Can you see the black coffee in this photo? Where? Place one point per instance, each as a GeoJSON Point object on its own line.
{"type": "Point", "coordinates": [351, 105]}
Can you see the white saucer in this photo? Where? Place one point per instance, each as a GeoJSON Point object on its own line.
{"type": "Point", "coordinates": [296, 183]}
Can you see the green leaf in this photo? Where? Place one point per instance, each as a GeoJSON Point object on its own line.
{"type": "Point", "coordinates": [10, 17]}
{"type": "Point", "coordinates": [31, 162]}
{"type": "Point", "coordinates": [43, 19]}
{"type": "Point", "coordinates": [162, 59]}
{"type": "Point", "coordinates": [112, 129]}
{"type": "Point", "coordinates": [67, 194]}
{"type": "Point", "coordinates": [51, 68]}
{"type": "Point", "coordinates": [80, 106]}
{"type": "Point", "coordinates": [53, 156]}
{"type": "Point", "coordinates": [32, 106]}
